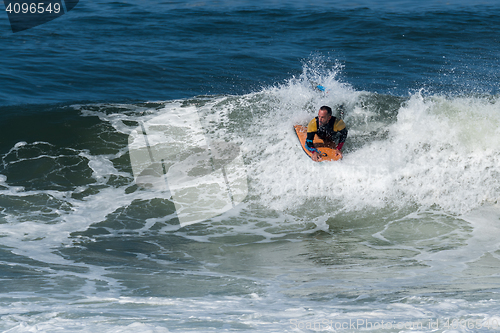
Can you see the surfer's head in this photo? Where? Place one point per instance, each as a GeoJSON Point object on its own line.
{"type": "Point", "coordinates": [324, 115]}
{"type": "Point", "coordinates": [327, 109]}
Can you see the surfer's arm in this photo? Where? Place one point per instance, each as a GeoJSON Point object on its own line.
{"type": "Point", "coordinates": [312, 129]}
{"type": "Point", "coordinates": [309, 143]}
{"type": "Point", "coordinates": [340, 130]}
{"type": "Point", "coordinates": [343, 136]}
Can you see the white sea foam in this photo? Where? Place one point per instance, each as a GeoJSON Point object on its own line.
{"type": "Point", "coordinates": [440, 151]}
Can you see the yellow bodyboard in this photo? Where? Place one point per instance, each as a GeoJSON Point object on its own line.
{"type": "Point", "coordinates": [328, 149]}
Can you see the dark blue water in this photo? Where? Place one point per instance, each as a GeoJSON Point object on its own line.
{"type": "Point", "coordinates": [404, 230]}
{"type": "Point", "coordinates": [137, 51]}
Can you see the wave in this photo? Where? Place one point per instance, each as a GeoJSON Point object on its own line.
{"type": "Point", "coordinates": [422, 150]}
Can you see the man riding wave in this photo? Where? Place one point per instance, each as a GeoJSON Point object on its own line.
{"type": "Point", "coordinates": [328, 128]}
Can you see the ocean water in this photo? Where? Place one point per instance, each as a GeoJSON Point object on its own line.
{"type": "Point", "coordinates": [402, 235]}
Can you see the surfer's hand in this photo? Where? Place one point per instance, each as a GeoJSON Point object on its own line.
{"type": "Point", "coordinates": [315, 156]}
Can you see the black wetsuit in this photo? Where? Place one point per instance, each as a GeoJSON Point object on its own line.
{"type": "Point", "coordinates": [334, 130]}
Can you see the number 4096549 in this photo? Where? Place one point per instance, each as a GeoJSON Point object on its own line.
{"type": "Point", "coordinates": [33, 8]}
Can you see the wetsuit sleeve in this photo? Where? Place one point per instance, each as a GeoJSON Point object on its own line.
{"type": "Point", "coordinates": [340, 128]}
{"type": "Point", "coordinates": [309, 143]}
{"type": "Point", "coordinates": [343, 136]}
{"type": "Point", "coordinates": [312, 128]}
